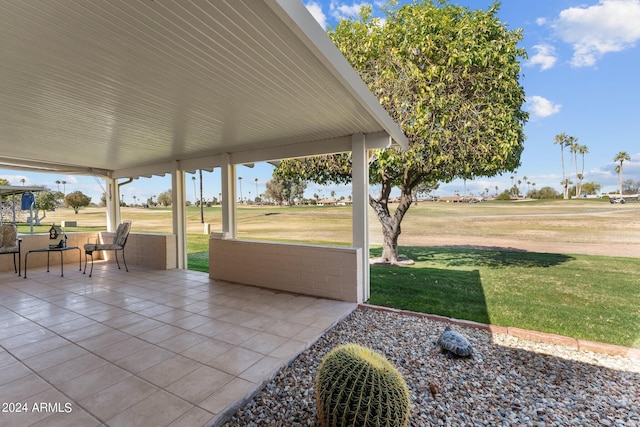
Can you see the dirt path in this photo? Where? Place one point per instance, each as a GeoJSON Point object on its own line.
{"type": "Point", "coordinates": [594, 248]}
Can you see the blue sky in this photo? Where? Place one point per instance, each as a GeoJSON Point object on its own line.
{"type": "Point", "coordinates": [581, 78]}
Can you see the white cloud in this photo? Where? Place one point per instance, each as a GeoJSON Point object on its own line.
{"type": "Point", "coordinates": [341, 10]}
{"type": "Point", "coordinates": [609, 26]}
{"type": "Point", "coordinates": [542, 107]}
{"type": "Point", "coordinates": [545, 57]}
{"type": "Point", "coordinates": [316, 11]}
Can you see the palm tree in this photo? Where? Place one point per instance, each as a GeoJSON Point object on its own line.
{"type": "Point", "coordinates": [58, 183]}
{"type": "Point", "coordinates": [621, 157]}
{"type": "Point", "coordinates": [573, 149]}
{"type": "Point", "coordinates": [64, 187]}
{"type": "Point", "coordinates": [582, 150]}
{"type": "Point", "coordinates": [240, 183]}
{"type": "Point", "coordinates": [563, 140]}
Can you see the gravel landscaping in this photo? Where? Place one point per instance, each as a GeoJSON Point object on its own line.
{"type": "Point", "coordinates": [508, 382]}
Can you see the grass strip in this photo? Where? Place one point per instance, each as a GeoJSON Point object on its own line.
{"type": "Point", "coordinates": [581, 296]}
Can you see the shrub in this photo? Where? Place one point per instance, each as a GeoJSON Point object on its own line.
{"type": "Point", "coordinates": [355, 386]}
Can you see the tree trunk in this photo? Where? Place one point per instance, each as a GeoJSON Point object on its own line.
{"type": "Point", "coordinates": [390, 223]}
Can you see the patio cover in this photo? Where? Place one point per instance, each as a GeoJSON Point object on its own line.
{"type": "Point", "coordinates": [123, 89]}
{"type": "Point", "coordinates": [115, 87]}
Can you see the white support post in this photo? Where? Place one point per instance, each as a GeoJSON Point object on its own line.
{"type": "Point", "coordinates": [112, 204]}
{"type": "Point", "coordinates": [179, 213]}
{"type": "Point", "coordinates": [229, 215]}
{"type": "Point", "coordinates": [360, 215]}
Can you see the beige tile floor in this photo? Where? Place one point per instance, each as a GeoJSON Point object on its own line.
{"type": "Point", "coordinates": [144, 348]}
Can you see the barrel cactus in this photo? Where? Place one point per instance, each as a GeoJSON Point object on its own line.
{"type": "Point", "coordinates": [355, 386]}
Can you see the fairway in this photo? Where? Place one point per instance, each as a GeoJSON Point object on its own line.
{"type": "Point", "coordinates": [564, 267]}
{"type": "Point", "coordinates": [573, 226]}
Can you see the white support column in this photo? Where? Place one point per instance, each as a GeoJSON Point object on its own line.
{"type": "Point", "coordinates": [360, 214]}
{"type": "Point", "coordinates": [179, 214]}
{"type": "Point", "coordinates": [229, 215]}
{"type": "Point", "coordinates": [112, 204]}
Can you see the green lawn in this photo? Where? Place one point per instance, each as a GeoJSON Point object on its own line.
{"type": "Point", "coordinates": [581, 296]}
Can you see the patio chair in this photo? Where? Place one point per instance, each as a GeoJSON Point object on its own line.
{"type": "Point", "coordinates": [11, 244]}
{"type": "Point", "coordinates": [118, 244]}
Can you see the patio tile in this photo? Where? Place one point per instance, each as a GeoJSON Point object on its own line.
{"type": "Point", "coordinates": [285, 328]}
{"type": "Point", "coordinates": [12, 372]}
{"type": "Point", "coordinates": [234, 390]}
{"type": "Point", "coordinates": [212, 328]}
{"type": "Point", "coordinates": [141, 327]}
{"type": "Point", "coordinates": [76, 418]}
{"type": "Point", "coordinates": [103, 340]}
{"type": "Point", "coordinates": [54, 357]}
{"type": "Point", "coordinates": [182, 342]}
{"type": "Point", "coordinates": [160, 334]}
{"type": "Point", "coordinates": [124, 320]}
{"type": "Point", "coordinates": [159, 409]}
{"type": "Point", "coordinates": [199, 384]}
{"type": "Point", "coordinates": [193, 417]}
{"type": "Point", "coordinates": [70, 369]}
{"type": "Point", "coordinates": [207, 350]}
{"type": "Point", "coordinates": [236, 360]}
{"type": "Point", "coordinates": [86, 332]}
{"type": "Point", "coordinates": [26, 338]}
{"type": "Point", "coordinates": [115, 399]}
{"type": "Point", "coordinates": [288, 348]}
{"type": "Point", "coordinates": [264, 368]}
{"type": "Point", "coordinates": [190, 322]}
{"type": "Point", "coordinates": [144, 358]}
{"type": "Point", "coordinates": [72, 325]}
{"type": "Point", "coordinates": [6, 358]}
{"type": "Point", "coordinates": [39, 347]}
{"type": "Point", "coordinates": [236, 335]}
{"type": "Point", "coordinates": [92, 382]}
{"type": "Point", "coordinates": [170, 370]}
{"type": "Point", "coordinates": [263, 342]}
{"type": "Point", "coordinates": [156, 343]}
{"type": "Point", "coordinates": [23, 388]}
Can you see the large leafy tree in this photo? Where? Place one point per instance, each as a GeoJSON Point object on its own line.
{"type": "Point", "coordinates": [45, 202]}
{"type": "Point", "coordinates": [285, 189]}
{"type": "Point", "coordinates": [449, 76]}
{"type": "Point", "coordinates": [76, 200]}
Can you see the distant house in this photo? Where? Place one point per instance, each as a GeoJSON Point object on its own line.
{"type": "Point", "coordinates": [327, 202]}
{"type": "Point", "coordinates": [451, 199]}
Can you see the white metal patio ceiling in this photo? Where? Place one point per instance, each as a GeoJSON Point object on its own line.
{"type": "Point", "coordinates": [105, 86]}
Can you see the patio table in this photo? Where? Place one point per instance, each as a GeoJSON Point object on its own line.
{"type": "Point", "coordinates": [48, 251]}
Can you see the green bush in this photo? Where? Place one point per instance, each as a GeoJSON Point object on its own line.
{"type": "Point", "coordinates": [355, 386]}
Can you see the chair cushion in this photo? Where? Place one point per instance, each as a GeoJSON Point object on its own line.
{"type": "Point", "coordinates": [90, 247]}
{"type": "Point", "coordinates": [122, 232]}
{"type": "Point", "coordinates": [8, 249]}
{"type": "Point", "coordinates": [9, 236]}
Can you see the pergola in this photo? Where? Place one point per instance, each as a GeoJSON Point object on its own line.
{"type": "Point", "coordinates": [122, 89]}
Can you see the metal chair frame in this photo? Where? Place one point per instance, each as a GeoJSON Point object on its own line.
{"type": "Point", "coordinates": [89, 248]}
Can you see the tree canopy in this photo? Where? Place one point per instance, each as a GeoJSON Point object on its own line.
{"type": "Point", "coordinates": [449, 76]}
{"type": "Point", "coordinates": [76, 200]}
